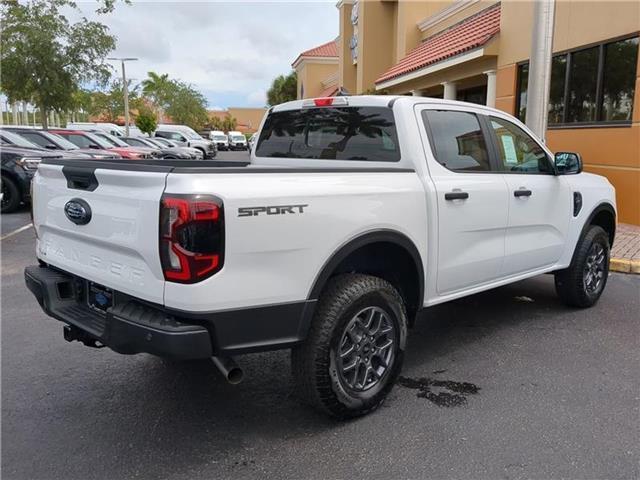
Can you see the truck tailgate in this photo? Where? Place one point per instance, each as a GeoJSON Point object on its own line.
{"type": "Point", "coordinates": [118, 247]}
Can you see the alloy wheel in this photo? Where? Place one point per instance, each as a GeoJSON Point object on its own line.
{"type": "Point", "coordinates": [594, 268]}
{"type": "Point", "coordinates": [367, 349]}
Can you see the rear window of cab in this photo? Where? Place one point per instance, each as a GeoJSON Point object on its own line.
{"type": "Point", "coordinates": [335, 133]}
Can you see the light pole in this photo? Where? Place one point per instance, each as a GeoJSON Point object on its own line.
{"type": "Point", "coordinates": [125, 90]}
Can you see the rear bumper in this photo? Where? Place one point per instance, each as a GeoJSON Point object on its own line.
{"type": "Point", "coordinates": [136, 326]}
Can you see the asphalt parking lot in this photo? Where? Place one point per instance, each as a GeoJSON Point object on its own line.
{"type": "Point", "coordinates": [502, 385]}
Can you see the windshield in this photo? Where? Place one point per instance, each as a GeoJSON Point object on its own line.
{"type": "Point", "coordinates": [154, 142]}
{"type": "Point", "coordinates": [192, 135]}
{"type": "Point", "coordinates": [220, 138]}
{"type": "Point", "coordinates": [163, 142]}
{"type": "Point", "coordinates": [15, 139]}
{"type": "Point", "coordinates": [61, 141]}
{"type": "Point", "coordinates": [95, 139]}
{"type": "Point", "coordinates": [115, 141]}
{"type": "Point", "coordinates": [348, 133]}
{"type": "Point", "coordinates": [237, 138]}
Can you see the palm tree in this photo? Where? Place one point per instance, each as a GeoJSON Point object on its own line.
{"type": "Point", "coordinates": [157, 88]}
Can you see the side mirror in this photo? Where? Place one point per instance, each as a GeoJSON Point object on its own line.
{"type": "Point", "coordinates": [568, 163]}
{"type": "Point", "coordinates": [94, 146]}
{"type": "Point", "coordinates": [50, 146]}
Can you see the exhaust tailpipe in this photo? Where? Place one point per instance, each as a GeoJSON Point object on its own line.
{"type": "Point", "coordinates": [229, 369]}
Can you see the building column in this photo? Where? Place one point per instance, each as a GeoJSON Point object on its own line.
{"type": "Point", "coordinates": [450, 90]}
{"type": "Point", "coordinates": [491, 88]}
{"type": "Point", "coordinates": [417, 92]}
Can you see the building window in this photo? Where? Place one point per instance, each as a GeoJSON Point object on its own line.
{"type": "Point", "coordinates": [523, 83]}
{"type": "Point", "coordinates": [619, 82]}
{"type": "Point", "coordinates": [590, 85]}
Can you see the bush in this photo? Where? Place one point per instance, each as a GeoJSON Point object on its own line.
{"type": "Point", "coordinates": [147, 121]}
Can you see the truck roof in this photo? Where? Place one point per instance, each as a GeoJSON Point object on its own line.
{"type": "Point", "coordinates": [379, 101]}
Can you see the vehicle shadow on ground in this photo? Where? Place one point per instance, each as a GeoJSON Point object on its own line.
{"type": "Point", "coordinates": [443, 329]}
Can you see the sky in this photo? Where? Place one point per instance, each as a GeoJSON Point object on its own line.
{"type": "Point", "coordinates": [229, 50]}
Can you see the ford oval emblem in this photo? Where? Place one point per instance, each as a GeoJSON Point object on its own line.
{"type": "Point", "coordinates": [78, 211]}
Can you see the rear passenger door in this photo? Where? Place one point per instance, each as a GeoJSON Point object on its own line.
{"type": "Point", "coordinates": [539, 201]}
{"type": "Point", "coordinates": [472, 199]}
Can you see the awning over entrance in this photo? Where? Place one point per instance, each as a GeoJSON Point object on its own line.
{"type": "Point", "coordinates": [468, 35]}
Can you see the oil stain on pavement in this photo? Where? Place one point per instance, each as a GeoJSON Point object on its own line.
{"type": "Point", "coordinates": [443, 393]}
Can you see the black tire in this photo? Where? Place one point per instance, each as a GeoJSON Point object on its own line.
{"type": "Point", "coordinates": [317, 365]}
{"type": "Point", "coordinates": [583, 282]}
{"type": "Point", "coordinates": [11, 195]}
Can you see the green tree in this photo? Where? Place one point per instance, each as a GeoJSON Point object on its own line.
{"type": "Point", "coordinates": [146, 120]}
{"type": "Point", "coordinates": [186, 105]}
{"type": "Point", "coordinates": [229, 123]}
{"type": "Point", "coordinates": [109, 104]}
{"type": "Point", "coordinates": [283, 89]}
{"type": "Point", "coordinates": [45, 58]}
{"type": "Point", "coordinates": [158, 88]}
{"type": "Point", "coordinates": [216, 123]}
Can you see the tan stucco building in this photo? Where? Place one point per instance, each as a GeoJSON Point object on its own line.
{"type": "Point", "coordinates": [478, 51]}
{"type": "Point", "coordinates": [248, 119]}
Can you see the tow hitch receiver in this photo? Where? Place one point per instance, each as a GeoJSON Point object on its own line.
{"type": "Point", "coordinates": [72, 333]}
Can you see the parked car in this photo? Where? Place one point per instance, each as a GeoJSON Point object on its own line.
{"type": "Point", "coordinates": [85, 139]}
{"type": "Point", "coordinates": [355, 214]}
{"type": "Point", "coordinates": [164, 152]}
{"type": "Point", "coordinates": [220, 139]}
{"type": "Point", "coordinates": [153, 151]}
{"type": "Point", "coordinates": [237, 141]}
{"type": "Point", "coordinates": [10, 138]}
{"type": "Point", "coordinates": [18, 167]}
{"type": "Point", "coordinates": [110, 128]}
{"type": "Point", "coordinates": [187, 137]}
{"type": "Point", "coordinates": [53, 142]}
{"type": "Point", "coordinates": [168, 143]}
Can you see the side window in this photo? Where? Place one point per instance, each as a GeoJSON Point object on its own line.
{"type": "Point", "coordinates": [163, 134]}
{"type": "Point", "coordinates": [458, 141]}
{"type": "Point", "coordinates": [518, 152]}
{"type": "Point", "coordinates": [135, 143]}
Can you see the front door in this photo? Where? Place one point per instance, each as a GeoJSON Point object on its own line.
{"type": "Point", "coordinates": [540, 203]}
{"type": "Point", "coordinates": [472, 200]}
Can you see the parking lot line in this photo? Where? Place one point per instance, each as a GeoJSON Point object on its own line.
{"type": "Point", "coordinates": [15, 232]}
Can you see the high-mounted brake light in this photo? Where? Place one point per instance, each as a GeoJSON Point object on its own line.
{"type": "Point", "coordinates": [191, 237]}
{"type": "Point", "coordinates": [325, 102]}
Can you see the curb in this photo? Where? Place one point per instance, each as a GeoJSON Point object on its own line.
{"type": "Point", "coordinates": [624, 265]}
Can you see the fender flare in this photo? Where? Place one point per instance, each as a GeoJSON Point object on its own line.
{"type": "Point", "coordinates": [602, 207]}
{"type": "Point", "coordinates": [375, 236]}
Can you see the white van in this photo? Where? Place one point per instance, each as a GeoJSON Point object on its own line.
{"type": "Point", "coordinates": [220, 139]}
{"type": "Point", "coordinates": [111, 128]}
{"type": "Point", "coordinates": [237, 141]}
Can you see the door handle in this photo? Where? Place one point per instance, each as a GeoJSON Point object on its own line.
{"type": "Point", "coordinates": [522, 193]}
{"type": "Point", "coordinates": [456, 196]}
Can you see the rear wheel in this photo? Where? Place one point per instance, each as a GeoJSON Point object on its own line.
{"type": "Point", "coordinates": [354, 351]}
{"type": "Point", "coordinates": [10, 195]}
{"type": "Point", "coordinates": [583, 282]}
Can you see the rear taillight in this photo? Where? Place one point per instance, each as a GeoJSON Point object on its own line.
{"type": "Point", "coordinates": [191, 237]}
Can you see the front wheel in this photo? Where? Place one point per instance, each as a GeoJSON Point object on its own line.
{"type": "Point", "coordinates": [583, 282]}
{"type": "Point", "coordinates": [355, 347]}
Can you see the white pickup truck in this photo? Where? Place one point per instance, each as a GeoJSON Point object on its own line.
{"type": "Point", "coordinates": [354, 214]}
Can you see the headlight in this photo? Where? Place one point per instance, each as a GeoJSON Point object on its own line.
{"type": "Point", "coordinates": [29, 163]}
